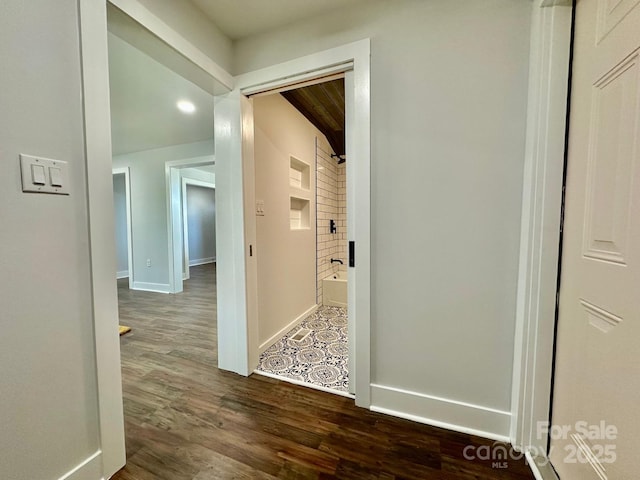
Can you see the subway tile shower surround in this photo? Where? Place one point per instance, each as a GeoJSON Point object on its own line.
{"type": "Point", "coordinates": [331, 205]}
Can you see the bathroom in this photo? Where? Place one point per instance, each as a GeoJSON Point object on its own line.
{"type": "Point", "coordinates": [301, 232]}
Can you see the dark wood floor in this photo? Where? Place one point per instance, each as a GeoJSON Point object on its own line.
{"type": "Point", "coordinates": [185, 419]}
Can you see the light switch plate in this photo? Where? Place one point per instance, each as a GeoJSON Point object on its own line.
{"type": "Point", "coordinates": [260, 208]}
{"type": "Point", "coordinates": [55, 179]}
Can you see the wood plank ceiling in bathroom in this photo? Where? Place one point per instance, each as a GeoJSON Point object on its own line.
{"type": "Point", "coordinates": [323, 105]}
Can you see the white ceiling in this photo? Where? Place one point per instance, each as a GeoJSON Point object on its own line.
{"type": "Point", "coordinates": [243, 18]}
{"type": "Point", "coordinates": [144, 94]}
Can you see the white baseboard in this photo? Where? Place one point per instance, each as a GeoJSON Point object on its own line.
{"type": "Point", "coordinates": [91, 468]}
{"type": "Point", "coordinates": [441, 412]}
{"type": "Point", "coordinates": [275, 337]}
{"type": "Point", "coordinates": [151, 287]}
{"type": "Point", "coordinates": [333, 303]}
{"type": "Point", "coordinates": [201, 261]}
{"type": "Point", "coordinates": [122, 274]}
{"type": "Point", "coordinates": [541, 467]}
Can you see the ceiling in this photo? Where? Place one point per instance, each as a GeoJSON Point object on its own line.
{"type": "Point", "coordinates": [323, 105]}
{"type": "Point", "coordinates": [144, 94]}
{"type": "Point", "coordinates": [145, 86]}
{"type": "Point", "coordinates": [242, 18]}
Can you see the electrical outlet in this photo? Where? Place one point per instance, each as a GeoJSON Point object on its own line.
{"type": "Point", "coordinates": [148, 262]}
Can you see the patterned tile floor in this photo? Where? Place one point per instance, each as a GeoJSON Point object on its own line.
{"type": "Point", "coordinates": [320, 358]}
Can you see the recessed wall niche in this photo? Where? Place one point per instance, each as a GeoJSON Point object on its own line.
{"type": "Point", "coordinates": [299, 213]}
{"type": "Point", "coordinates": [299, 174]}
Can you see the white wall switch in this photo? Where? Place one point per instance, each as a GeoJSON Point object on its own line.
{"type": "Point", "coordinates": [260, 208]}
{"type": "Point", "coordinates": [37, 174]}
{"type": "Point", "coordinates": [44, 175]}
{"type": "Point", "coordinates": [55, 175]}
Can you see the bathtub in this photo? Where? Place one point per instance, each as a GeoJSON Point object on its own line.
{"type": "Point", "coordinates": [334, 290]}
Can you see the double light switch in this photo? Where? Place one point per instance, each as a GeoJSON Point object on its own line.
{"type": "Point", "coordinates": [44, 175]}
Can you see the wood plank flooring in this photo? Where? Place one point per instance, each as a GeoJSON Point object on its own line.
{"type": "Point", "coordinates": [187, 420]}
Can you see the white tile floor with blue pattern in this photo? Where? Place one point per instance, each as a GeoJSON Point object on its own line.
{"type": "Point", "coordinates": [319, 358]}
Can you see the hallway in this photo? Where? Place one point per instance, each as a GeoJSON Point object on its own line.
{"type": "Point", "coordinates": [187, 420]}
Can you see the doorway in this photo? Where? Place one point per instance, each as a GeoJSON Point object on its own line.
{"type": "Point", "coordinates": [94, 53]}
{"type": "Point", "coordinates": [301, 241]}
{"type": "Point", "coordinates": [122, 210]}
{"type": "Point", "coordinates": [199, 224]}
{"type": "Point", "coordinates": [161, 116]}
{"type": "Point", "coordinates": [352, 60]}
{"type": "Point", "coordinates": [179, 174]}
{"type": "Point", "coordinates": [162, 135]}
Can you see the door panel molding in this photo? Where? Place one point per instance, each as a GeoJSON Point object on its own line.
{"type": "Point", "coordinates": [599, 317]}
{"type": "Point", "coordinates": [611, 13]}
{"type": "Point", "coordinates": [612, 147]}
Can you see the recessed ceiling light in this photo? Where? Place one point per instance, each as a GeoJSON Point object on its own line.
{"type": "Point", "coordinates": [186, 106]}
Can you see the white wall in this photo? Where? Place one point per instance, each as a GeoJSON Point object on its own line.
{"type": "Point", "coordinates": [120, 209]}
{"type": "Point", "coordinates": [448, 101]}
{"type": "Point", "coordinates": [286, 258]}
{"type": "Point", "coordinates": [48, 404]}
{"type": "Point", "coordinates": [201, 224]}
{"type": "Point", "coordinates": [194, 26]}
{"type": "Point", "coordinates": [149, 208]}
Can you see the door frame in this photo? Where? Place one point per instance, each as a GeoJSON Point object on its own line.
{"type": "Point", "coordinates": [185, 226]}
{"type": "Point", "coordinates": [237, 342]}
{"type": "Point", "coordinates": [97, 127]}
{"type": "Point", "coordinates": [547, 110]}
{"type": "Point", "coordinates": [127, 188]}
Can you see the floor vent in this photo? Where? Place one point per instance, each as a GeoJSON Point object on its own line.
{"type": "Point", "coordinates": [300, 334]}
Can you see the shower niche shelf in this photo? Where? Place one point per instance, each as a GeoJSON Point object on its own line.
{"type": "Point", "coordinates": [299, 213]}
{"type": "Point", "coordinates": [299, 174]}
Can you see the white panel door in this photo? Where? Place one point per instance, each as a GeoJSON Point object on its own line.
{"type": "Point", "coordinates": [597, 376]}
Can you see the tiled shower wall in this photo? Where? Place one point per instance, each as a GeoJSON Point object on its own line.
{"type": "Point", "coordinates": [342, 213]}
{"type": "Point", "coordinates": [331, 204]}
